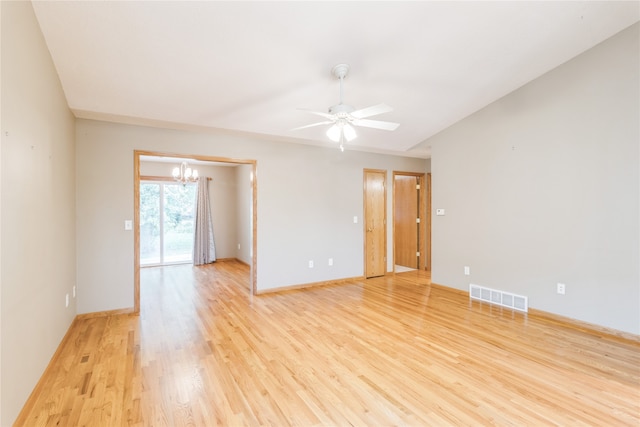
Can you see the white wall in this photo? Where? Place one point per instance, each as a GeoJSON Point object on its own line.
{"type": "Point", "coordinates": [307, 197]}
{"type": "Point", "coordinates": [222, 194]}
{"type": "Point", "coordinates": [543, 187]}
{"type": "Point", "coordinates": [37, 208]}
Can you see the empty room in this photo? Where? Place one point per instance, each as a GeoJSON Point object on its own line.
{"type": "Point", "coordinates": [319, 213]}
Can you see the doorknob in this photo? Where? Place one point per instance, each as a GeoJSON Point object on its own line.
{"type": "Point", "coordinates": [369, 230]}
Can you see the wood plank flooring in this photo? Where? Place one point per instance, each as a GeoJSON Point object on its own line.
{"type": "Point", "coordinates": [394, 350]}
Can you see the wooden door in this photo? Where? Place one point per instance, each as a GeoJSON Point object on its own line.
{"type": "Point", "coordinates": [375, 223]}
{"type": "Point", "coordinates": [406, 193]}
{"type": "Point", "coordinates": [412, 220]}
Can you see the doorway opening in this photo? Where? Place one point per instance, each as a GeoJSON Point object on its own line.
{"type": "Point", "coordinates": [411, 221]}
{"type": "Point", "coordinates": [171, 248]}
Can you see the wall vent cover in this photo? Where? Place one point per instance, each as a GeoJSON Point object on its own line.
{"type": "Point", "coordinates": [504, 299]}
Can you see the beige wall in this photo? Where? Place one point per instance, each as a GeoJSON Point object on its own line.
{"type": "Point", "coordinates": [37, 208]}
{"type": "Point", "coordinates": [223, 196]}
{"type": "Point", "coordinates": [542, 187]}
{"type": "Point", "coordinates": [244, 176]}
{"type": "Point", "coordinates": [1, 412]}
{"type": "Point", "coordinates": [307, 197]}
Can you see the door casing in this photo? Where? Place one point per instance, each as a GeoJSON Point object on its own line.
{"type": "Point", "coordinates": [136, 210]}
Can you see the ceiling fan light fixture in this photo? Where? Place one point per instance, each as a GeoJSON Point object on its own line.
{"type": "Point", "coordinates": [349, 132]}
{"type": "Point", "coordinates": [334, 133]}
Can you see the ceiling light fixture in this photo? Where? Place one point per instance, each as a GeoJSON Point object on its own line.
{"type": "Point", "coordinates": [349, 132]}
{"type": "Point", "coordinates": [340, 131]}
{"type": "Point", "coordinates": [184, 174]}
{"type": "Point", "coordinates": [343, 117]}
{"type": "Point", "coordinates": [334, 133]}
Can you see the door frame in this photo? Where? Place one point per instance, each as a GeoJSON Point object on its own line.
{"type": "Point", "coordinates": [429, 254]}
{"type": "Point", "coordinates": [136, 213]}
{"type": "Point", "coordinates": [424, 210]}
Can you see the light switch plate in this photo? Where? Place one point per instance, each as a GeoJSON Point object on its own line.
{"type": "Point", "coordinates": [440, 212]}
{"type": "Point", "coordinates": [128, 224]}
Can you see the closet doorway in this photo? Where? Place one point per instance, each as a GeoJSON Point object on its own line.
{"type": "Point", "coordinates": [411, 221]}
{"type": "Point", "coordinates": [244, 176]}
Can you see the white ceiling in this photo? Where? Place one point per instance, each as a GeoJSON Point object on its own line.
{"type": "Point", "coordinates": [250, 66]}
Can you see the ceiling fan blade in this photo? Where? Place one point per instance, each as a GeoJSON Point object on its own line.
{"type": "Point", "coordinates": [371, 111]}
{"type": "Point", "coordinates": [313, 124]}
{"type": "Point", "coordinates": [318, 113]}
{"type": "Point", "coordinates": [376, 124]}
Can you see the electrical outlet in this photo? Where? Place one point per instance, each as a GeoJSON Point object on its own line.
{"type": "Point", "coordinates": [66, 301]}
{"type": "Point", "coordinates": [560, 288]}
{"type": "Point", "coordinates": [74, 291]}
{"type": "Point", "coordinates": [310, 264]}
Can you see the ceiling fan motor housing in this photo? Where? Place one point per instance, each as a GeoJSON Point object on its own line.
{"type": "Point", "coordinates": [341, 111]}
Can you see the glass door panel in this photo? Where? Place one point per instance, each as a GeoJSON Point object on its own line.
{"type": "Point", "coordinates": [166, 222]}
{"type": "Point", "coordinates": [179, 205]}
{"type": "Point", "coordinates": [150, 224]}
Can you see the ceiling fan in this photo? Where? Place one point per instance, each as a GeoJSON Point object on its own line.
{"type": "Point", "coordinates": [343, 117]}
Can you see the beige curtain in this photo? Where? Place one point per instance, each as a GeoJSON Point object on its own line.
{"type": "Point", "coordinates": [204, 249]}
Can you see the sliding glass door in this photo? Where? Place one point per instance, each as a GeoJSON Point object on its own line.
{"type": "Point", "coordinates": [166, 222]}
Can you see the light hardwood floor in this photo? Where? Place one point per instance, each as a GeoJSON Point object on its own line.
{"type": "Point", "coordinates": [394, 350]}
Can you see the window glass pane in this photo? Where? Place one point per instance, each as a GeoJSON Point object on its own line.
{"type": "Point", "coordinates": [179, 208]}
{"type": "Point", "coordinates": [149, 223]}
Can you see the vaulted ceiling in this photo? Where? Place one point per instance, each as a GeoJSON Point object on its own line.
{"type": "Point", "coordinates": [251, 67]}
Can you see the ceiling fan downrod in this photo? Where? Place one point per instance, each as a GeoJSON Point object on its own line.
{"type": "Point", "coordinates": [340, 71]}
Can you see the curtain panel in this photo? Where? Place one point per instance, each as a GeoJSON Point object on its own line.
{"type": "Point", "coordinates": [204, 250]}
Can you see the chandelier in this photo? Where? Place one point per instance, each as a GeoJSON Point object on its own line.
{"type": "Point", "coordinates": [184, 174]}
